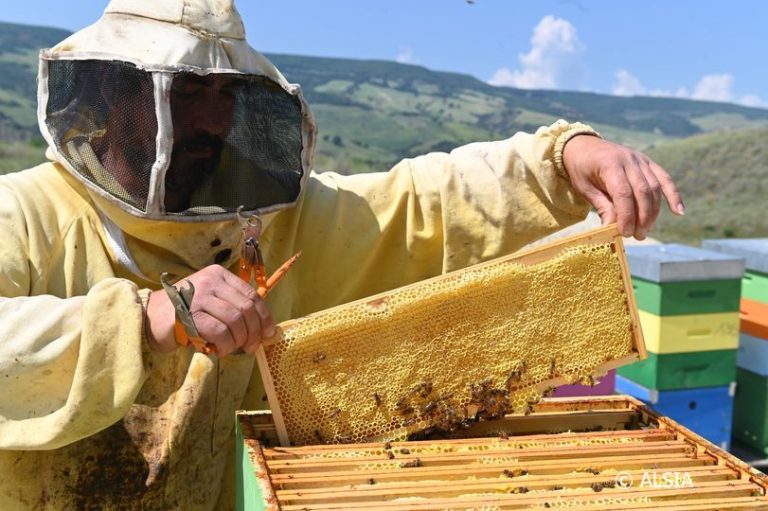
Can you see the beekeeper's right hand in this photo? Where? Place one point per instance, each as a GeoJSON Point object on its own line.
{"type": "Point", "coordinates": [227, 313]}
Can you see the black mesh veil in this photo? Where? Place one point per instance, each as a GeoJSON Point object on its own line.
{"type": "Point", "coordinates": [101, 117]}
{"type": "Point", "coordinates": [231, 139]}
{"type": "Point", "coordinates": [246, 134]}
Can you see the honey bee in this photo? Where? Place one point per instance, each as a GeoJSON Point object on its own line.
{"type": "Point", "coordinates": [503, 435]}
{"type": "Point", "coordinates": [429, 407]}
{"type": "Point", "coordinates": [416, 462]}
{"type": "Point", "coordinates": [552, 368]}
{"type": "Point", "coordinates": [319, 357]}
{"type": "Point", "coordinates": [377, 398]}
{"type": "Point", "coordinates": [517, 472]}
{"type": "Point", "coordinates": [371, 481]}
{"type": "Point", "coordinates": [423, 389]}
{"type": "Point", "coordinates": [343, 439]}
{"type": "Point", "coordinates": [390, 455]}
{"type": "Point", "coordinates": [405, 450]}
{"type": "Point", "coordinates": [387, 445]}
{"type": "Point", "coordinates": [319, 436]}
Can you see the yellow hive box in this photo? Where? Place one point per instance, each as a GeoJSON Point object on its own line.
{"type": "Point", "coordinates": [690, 332]}
{"type": "Point", "coordinates": [450, 351]}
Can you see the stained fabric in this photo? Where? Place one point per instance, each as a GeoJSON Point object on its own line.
{"type": "Point", "coordinates": [111, 425]}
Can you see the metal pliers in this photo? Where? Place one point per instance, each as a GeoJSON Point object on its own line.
{"type": "Point", "coordinates": [185, 329]}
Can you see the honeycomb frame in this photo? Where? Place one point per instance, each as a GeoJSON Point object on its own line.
{"type": "Point", "coordinates": [444, 353]}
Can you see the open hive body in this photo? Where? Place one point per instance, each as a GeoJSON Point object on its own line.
{"type": "Point", "coordinates": [596, 453]}
{"type": "Point", "coordinates": [467, 346]}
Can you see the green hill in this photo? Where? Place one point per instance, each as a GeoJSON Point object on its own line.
{"type": "Point", "coordinates": [724, 179]}
{"type": "Point", "coordinates": [372, 113]}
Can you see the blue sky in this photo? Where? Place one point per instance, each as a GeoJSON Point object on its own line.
{"type": "Point", "coordinates": [701, 49]}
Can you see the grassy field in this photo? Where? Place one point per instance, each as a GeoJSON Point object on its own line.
{"type": "Point", "coordinates": [19, 156]}
{"type": "Point", "coordinates": [724, 179]}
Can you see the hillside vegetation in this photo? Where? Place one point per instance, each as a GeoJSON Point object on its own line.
{"type": "Point", "coordinates": [724, 179]}
{"type": "Point", "coordinates": [371, 114]}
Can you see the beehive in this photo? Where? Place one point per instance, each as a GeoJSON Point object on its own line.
{"type": "Point", "coordinates": [446, 352]}
{"type": "Point", "coordinates": [600, 453]}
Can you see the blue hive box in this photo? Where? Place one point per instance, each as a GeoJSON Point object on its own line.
{"type": "Point", "coordinates": [707, 411]}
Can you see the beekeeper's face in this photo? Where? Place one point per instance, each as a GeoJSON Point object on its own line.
{"type": "Point", "coordinates": [202, 111]}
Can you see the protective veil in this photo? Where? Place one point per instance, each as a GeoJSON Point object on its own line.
{"type": "Point", "coordinates": [164, 110]}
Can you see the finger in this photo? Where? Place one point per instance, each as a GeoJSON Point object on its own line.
{"type": "Point", "coordinates": [248, 307]}
{"type": "Point", "coordinates": [668, 188]}
{"type": "Point", "coordinates": [267, 323]}
{"type": "Point", "coordinates": [643, 200]}
{"type": "Point", "coordinates": [619, 190]}
{"type": "Point", "coordinates": [237, 283]}
{"type": "Point", "coordinates": [602, 203]}
{"type": "Point", "coordinates": [232, 317]}
{"type": "Point", "coordinates": [656, 192]}
{"type": "Point", "coordinates": [214, 331]}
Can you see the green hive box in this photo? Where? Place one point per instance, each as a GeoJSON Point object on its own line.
{"type": "Point", "coordinates": [750, 410]}
{"type": "Point", "coordinates": [689, 370]}
{"type": "Point", "coordinates": [691, 297]}
{"type": "Point", "coordinates": [754, 286]}
{"type": "Point", "coordinates": [249, 494]}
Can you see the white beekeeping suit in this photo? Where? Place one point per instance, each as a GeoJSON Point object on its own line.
{"type": "Point", "coordinates": [161, 121]}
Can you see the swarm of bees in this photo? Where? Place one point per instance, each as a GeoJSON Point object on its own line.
{"type": "Point", "coordinates": [443, 415]}
{"type": "Point", "coordinates": [485, 401]}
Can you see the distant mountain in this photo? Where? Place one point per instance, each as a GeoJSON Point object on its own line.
{"type": "Point", "coordinates": [371, 114]}
{"type": "Point", "coordinates": [19, 47]}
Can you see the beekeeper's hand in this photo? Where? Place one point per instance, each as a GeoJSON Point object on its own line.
{"type": "Point", "coordinates": [624, 185]}
{"type": "Point", "coordinates": [227, 313]}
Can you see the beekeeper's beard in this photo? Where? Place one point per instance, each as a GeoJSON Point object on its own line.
{"type": "Point", "coordinates": [193, 162]}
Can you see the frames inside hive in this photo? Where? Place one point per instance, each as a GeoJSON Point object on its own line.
{"type": "Point", "coordinates": [441, 354]}
{"type": "Point", "coordinates": [592, 453]}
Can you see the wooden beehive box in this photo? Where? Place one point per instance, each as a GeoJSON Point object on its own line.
{"type": "Point", "coordinates": [596, 453]}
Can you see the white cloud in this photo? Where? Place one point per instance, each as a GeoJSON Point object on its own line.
{"type": "Point", "coordinates": [405, 56]}
{"type": "Point", "coordinates": [752, 100]}
{"type": "Point", "coordinates": [553, 61]}
{"type": "Point", "coordinates": [627, 84]}
{"type": "Point", "coordinates": [715, 87]}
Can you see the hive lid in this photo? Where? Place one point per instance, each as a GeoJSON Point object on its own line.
{"type": "Point", "coordinates": [455, 349]}
{"type": "Point", "coordinates": [673, 262]}
{"type": "Point", "coordinates": [753, 250]}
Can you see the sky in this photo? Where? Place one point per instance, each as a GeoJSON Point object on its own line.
{"type": "Point", "coordinates": [698, 49]}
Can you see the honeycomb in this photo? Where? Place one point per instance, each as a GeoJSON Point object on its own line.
{"type": "Point", "coordinates": [442, 354]}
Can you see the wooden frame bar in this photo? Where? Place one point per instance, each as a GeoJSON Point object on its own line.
{"type": "Point", "coordinates": [561, 468]}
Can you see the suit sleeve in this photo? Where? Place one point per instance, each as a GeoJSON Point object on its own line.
{"type": "Point", "coordinates": [69, 366]}
{"type": "Point", "coordinates": [429, 215]}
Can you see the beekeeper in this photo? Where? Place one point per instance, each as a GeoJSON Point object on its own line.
{"type": "Point", "coordinates": [161, 121]}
